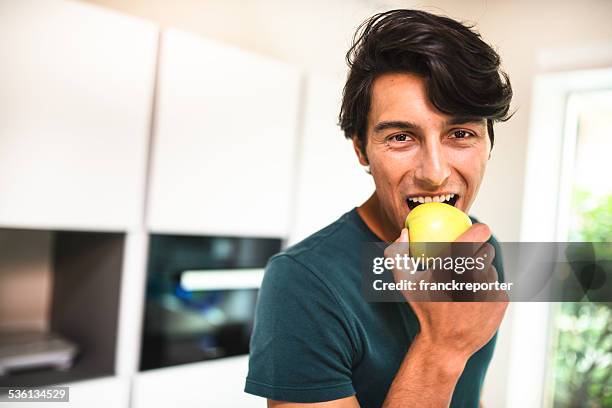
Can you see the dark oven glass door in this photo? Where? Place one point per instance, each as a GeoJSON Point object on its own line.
{"type": "Point", "coordinates": [201, 296]}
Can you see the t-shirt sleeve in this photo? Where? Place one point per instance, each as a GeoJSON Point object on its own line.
{"type": "Point", "coordinates": [301, 348]}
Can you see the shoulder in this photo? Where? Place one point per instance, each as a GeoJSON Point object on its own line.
{"type": "Point", "coordinates": [324, 248]}
{"type": "Point", "coordinates": [315, 265]}
{"type": "Point", "coordinates": [322, 239]}
{"type": "Point", "coordinates": [299, 282]}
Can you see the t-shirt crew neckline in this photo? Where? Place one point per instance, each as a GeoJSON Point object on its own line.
{"type": "Point", "coordinates": [360, 223]}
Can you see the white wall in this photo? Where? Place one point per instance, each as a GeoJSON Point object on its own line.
{"type": "Point", "coordinates": [321, 198]}
{"type": "Point", "coordinates": [530, 36]}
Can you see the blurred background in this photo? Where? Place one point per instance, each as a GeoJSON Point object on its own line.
{"type": "Point", "coordinates": [154, 154]}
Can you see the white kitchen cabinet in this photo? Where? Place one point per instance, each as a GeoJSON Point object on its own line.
{"type": "Point", "coordinates": [99, 393]}
{"type": "Point", "coordinates": [76, 87]}
{"type": "Point", "coordinates": [218, 383]}
{"type": "Point", "coordinates": [224, 140]}
{"type": "Point", "coordinates": [330, 179]}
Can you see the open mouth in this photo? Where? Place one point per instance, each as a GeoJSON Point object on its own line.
{"type": "Point", "coordinates": [413, 202]}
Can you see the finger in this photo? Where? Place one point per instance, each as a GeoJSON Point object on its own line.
{"type": "Point", "coordinates": [470, 242]}
{"type": "Point", "coordinates": [492, 275]}
{"type": "Point", "coordinates": [403, 236]}
{"type": "Point", "coordinates": [487, 274]}
{"type": "Point", "coordinates": [476, 233]}
{"type": "Point", "coordinates": [399, 246]}
{"type": "Point", "coordinates": [487, 253]}
{"type": "Point", "coordinates": [496, 295]}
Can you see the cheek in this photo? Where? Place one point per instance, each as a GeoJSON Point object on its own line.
{"type": "Point", "coordinates": [471, 164]}
{"type": "Point", "coordinates": [387, 171]}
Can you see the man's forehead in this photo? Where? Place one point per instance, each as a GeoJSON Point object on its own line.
{"type": "Point", "coordinates": [402, 97]}
{"type": "Point", "coordinates": [389, 90]}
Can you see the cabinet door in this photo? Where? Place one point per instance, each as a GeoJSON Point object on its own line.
{"type": "Point", "coordinates": [218, 383]}
{"type": "Point", "coordinates": [98, 393]}
{"type": "Point", "coordinates": [331, 181]}
{"type": "Point", "coordinates": [224, 140]}
{"type": "Point", "coordinates": [75, 106]}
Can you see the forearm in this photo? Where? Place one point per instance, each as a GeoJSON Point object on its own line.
{"type": "Point", "coordinates": [426, 377]}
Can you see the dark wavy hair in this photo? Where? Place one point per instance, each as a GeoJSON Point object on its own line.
{"type": "Point", "coordinates": [462, 72]}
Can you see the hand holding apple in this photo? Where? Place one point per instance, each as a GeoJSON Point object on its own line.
{"type": "Point", "coordinates": [459, 328]}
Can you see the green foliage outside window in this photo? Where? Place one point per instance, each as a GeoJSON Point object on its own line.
{"type": "Point", "coordinates": [582, 365]}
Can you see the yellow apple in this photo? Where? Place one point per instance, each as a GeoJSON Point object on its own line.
{"type": "Point", "coordinates": [434, 222]}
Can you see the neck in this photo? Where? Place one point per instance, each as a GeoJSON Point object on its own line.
{"type": "Point", "coordinates": [372, 214]}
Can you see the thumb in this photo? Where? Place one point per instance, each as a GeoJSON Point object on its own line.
{"type": "Point", "coordinates": [393, 249]}
{"type": "Point", "coordinates": [403, 236]}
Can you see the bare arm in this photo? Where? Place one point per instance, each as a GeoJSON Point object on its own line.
{"type": "Point", "coordinates": [426, 377]}
{"type": "Point", "coordinates": [348, 402]}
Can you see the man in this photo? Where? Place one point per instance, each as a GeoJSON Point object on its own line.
{"type": "Point", "coordinates": [419, 105]}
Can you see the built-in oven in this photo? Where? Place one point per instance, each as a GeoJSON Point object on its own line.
{"type": "Point", "coordinates": [200, 297]}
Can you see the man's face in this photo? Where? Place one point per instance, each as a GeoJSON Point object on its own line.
{"type": "Point", "coordinates": [416, 153]}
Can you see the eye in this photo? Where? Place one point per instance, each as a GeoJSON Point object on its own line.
{"type": "Point", "coordinates": [399, 138]}
{"type": "Point", "coordinates": [462, 134]}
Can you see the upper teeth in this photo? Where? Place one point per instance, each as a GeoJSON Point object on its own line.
{"type": "Point", "coordinates": [437, 199]}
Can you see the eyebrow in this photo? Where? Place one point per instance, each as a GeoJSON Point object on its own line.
{"type": "Point", "coordinates": [462, 120]}
{"type": "Point", "coordinates": [406, 125]}
{"type": "Point", "coordinates": [394, 124]}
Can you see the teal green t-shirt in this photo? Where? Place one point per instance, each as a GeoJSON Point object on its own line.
{"type": "Point", "coordinates": [315, 337]}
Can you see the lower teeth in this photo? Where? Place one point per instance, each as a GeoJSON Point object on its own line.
{"type": "Point", "coordinates": [414, 204]}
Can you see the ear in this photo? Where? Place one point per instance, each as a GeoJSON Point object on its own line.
{"type": "Point", "coordinates": [363, 159]}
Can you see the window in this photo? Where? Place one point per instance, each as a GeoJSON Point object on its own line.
{"type": "Point", "coordinates": [563, 155]}
{"type": "Point", "coordinates": [580, 363]}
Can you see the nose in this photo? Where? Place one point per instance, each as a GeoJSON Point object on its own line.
{"type": "Point", "coordinates": [433, 169]}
